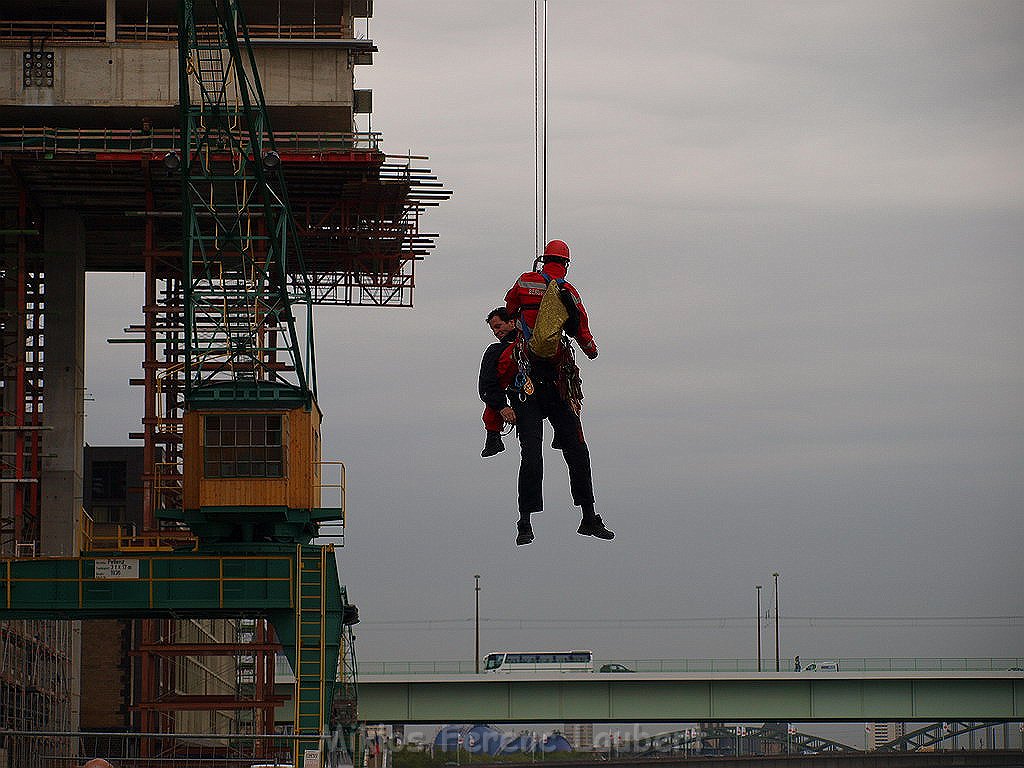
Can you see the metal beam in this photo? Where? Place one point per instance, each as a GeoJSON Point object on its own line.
{"type": "Point", "coordinates": [681, 697]}
{"type": "Point", "coordinates": [295, 586]}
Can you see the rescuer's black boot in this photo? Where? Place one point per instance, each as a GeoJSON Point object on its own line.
{"type": "Point", "coordinates": [594, 526]}
{"type": "Point", "coordinates": [556, 443]}
{"type": "Point", "coordinates": [525, 533]}
{"type": "Point", "coordinates": [492, 445]}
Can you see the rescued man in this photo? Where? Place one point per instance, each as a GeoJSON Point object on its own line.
{"type": "Point", "coordinates": [496, 372]}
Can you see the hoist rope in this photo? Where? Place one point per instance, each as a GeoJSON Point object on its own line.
{"type": "Point", "coordinates": [536, 132]}
{"type": "Point", "coordinates": [540, 123]}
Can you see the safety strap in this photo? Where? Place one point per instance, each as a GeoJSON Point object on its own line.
{"type": "Point", "coordinates": [522, 378]}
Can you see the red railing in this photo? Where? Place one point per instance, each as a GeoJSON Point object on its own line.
{"type": "Point", "coordinates": [96, 31]}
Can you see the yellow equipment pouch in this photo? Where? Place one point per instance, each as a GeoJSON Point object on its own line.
{"type": "Point", "coordinates": [551, 318]}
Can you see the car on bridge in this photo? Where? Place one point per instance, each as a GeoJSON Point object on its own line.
{"type": "Point", "coordinates": [615, 668]}
{"type": "Point", "coordinates": [821, 666]}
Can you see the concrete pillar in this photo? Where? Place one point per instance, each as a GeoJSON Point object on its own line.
{"type": "Point", "coordinates": [9, 404]}
{"type": "Point", "coordinates": [111, 21]}
{"type": "Point", "coordinates": [64, 381]}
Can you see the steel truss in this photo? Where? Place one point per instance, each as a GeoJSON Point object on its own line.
{"type": "Point", "coordinates": [724, 740]}
{"type": "Point", "coordinates": [934, 735]}
{"type": "Point", "coordinates": [238, 234]}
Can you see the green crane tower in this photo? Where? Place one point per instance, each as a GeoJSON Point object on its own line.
{"type": "Point", "coordinates": [244, 271]}
{"type": "Point", "coordinates": [252, 471]}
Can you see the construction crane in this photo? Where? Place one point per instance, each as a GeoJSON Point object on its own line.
{"type": "Point", "coordinates": [251, 478]}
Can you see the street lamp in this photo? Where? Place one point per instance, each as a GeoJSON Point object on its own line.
{"type": "Point", "coordinates": [477, 655]}
{"type": "Point", "coordinates": [758, 588]}
{"type": "Point", "coordinates": [776, 577]}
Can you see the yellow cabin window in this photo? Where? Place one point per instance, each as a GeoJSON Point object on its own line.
{"type": "Point", "coordinates": [243, 445]}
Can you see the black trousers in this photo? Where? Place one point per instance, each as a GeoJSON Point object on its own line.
{"type": "Point", "coordinates": [545, 403]}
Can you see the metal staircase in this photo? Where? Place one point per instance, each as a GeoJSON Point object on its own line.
{"type": "Point", "coordinates": [246, 670]}
{"type": "Point", "coordinates": [208, 47]}
{"type": "Point", "coordinates": [310, 641]}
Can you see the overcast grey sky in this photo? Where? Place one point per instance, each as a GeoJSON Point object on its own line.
{"type": "Point", "coordinates": [798, 230]}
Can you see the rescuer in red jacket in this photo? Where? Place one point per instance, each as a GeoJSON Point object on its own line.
{"type": "Point", "coordinates": [523, 298]}
{"type": "Point", "coordinates": [548, 395]}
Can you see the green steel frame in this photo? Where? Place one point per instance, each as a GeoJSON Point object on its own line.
{"type": "Point", "coordinates": [693, 697]}
{"type": "Point", "coordinates": [295, 587]}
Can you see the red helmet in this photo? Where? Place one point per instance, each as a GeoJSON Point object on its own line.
{"type": "Point", "coordinates": [557, 248]}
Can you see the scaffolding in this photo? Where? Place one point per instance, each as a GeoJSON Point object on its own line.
{"type": "Point", "coordinates": [356, 213]}
{"type": "Point", "coordinates": [35, 655]}
{"type": "Point", "coordinates": [22, 306]}
{"type": "Point", "coordinates": [35, 675]}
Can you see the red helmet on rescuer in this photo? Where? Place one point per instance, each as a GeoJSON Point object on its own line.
{"type": "Point", "coordinates": [558, 249]}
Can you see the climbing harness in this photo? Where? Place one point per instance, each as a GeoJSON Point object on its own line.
{"type": "Point", "coordinates": [522, 384]}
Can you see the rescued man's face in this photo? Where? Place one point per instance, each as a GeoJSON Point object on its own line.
{"type": "Point", "coordinates": [499, 327]}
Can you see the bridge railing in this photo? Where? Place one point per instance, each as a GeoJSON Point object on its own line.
{"type": "Point", "coordinates": [654, 666]}
{"type": "Point", "coordinates": [936, 664]}
{"type": "Point", "coordinates": [845, 664]}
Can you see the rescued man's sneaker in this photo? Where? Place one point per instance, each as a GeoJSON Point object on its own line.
{"type": "Point", "coordinates": [595, 527]}
{"type": "Point", "coordinates": [493, 444]}
{"type": "Point", "coordinates": [525, 534]}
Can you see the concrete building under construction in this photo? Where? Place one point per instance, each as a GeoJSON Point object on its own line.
{"type": "Point", "coordinates": [89, 126]}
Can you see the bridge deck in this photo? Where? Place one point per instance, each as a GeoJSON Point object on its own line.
{"type": "Point", "coordinates": [684, 697]}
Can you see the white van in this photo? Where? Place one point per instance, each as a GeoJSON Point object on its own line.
{"type": "Point", "coordinates": [821, 666]}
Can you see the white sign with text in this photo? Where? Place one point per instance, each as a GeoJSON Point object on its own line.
{"type": "Point", "coordinates": [117, 568]}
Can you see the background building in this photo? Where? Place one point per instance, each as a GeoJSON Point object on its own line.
{"type": "Point", "coordinates": [580, 735]}
{"type": "Point", "coordinates": [882, 733]}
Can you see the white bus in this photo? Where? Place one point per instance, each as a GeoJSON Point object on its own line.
{"type": "Point", "coordinates": [539, 661]}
